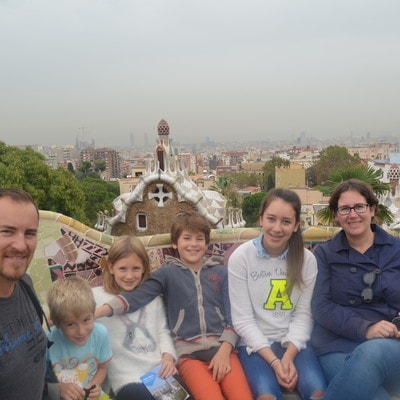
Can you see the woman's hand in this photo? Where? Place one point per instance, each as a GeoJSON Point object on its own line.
{"type": "Point", "coordinates": [382, 329]}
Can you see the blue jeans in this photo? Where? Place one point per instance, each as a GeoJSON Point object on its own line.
{"type": "Point", "coordinates": [370, 371]}
{"type": "Point", "coordinates": [262, 379]}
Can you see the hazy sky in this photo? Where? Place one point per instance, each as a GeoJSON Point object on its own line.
{"type": "Point", "coordinates": [223, 69]}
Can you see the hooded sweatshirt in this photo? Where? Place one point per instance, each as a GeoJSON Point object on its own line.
{"type": "Point", "coordinates": [197, 303]}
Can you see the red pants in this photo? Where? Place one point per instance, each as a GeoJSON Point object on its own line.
{"type": "Point", "coordinates": [198, 378]}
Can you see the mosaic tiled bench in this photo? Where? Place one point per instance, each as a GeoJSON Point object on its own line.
{"type": "Point", "coordinates": [67, 247]}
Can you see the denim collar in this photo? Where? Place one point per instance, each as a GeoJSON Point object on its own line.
{"type": "Point", "coordinates": [339, 242]}
{"type": "Point", "coordinates": [261, 252]}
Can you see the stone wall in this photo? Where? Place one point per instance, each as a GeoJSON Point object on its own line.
{"type": "Point", "coordinates": [68, 247]}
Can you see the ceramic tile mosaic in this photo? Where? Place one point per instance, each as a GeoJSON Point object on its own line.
{"type": "Point", "coordinates": [67, 247]}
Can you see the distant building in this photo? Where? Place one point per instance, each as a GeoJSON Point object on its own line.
{"type": "Point", "coordinates": [253, 167]}
{"type": "Point", "coordinates": [311, 202]}
{"type": "Point", "coordinates": [289, 177]}
{"type": "Point", "coordinates": [124, 167]}
{"type": "Point", "coordinates": [56, 157]}
{"type": "Point", "coordinates": [391, 175]}
{"type": "Point", "coordinates": [375, 151]}
{"type": "Point", "coordinates": [110, 156]}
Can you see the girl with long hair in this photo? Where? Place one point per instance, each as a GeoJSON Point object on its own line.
{"type": "Point", "coordinates": [271, 280]}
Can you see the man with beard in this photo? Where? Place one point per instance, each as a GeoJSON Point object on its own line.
{"type": "Point", "coordinates": [22, 339]}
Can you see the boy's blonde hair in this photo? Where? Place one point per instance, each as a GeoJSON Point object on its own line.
{"type": "Point", "coordinates": [124, 247]}
{"type": "Point", "coordinates": [69, 296]}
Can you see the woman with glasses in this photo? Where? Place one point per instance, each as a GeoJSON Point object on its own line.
{"type": "Point", "coordinates": [356, 298]}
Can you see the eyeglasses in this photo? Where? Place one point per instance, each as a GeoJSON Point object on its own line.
{"type": "Point", "coordinates": [358, 208]}
{"type": "Point", "coordinates": [369, 278]}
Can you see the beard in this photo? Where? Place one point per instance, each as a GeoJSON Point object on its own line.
{"type": "Point", "coordinates": [11, 271]}
{"type": "Point", "coordinates": [12, 277]}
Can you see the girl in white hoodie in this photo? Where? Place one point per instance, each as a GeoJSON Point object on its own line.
{"type": "Point", "coordinates": [271, 280]}
{"type": "Point", "coordinates": [140, 340]}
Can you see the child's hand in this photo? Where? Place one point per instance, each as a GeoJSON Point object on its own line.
{"type": "Point", "coordinates": [291, 372]}
{"type": "Point", "coordinates": [71, 391]}
{"type": "Point", "coordinates": [167, 366]}
{"type": "Point", "coordinates": [93, 392]}
{"type": "Point", "coordinates": [280, 374]}
{"type": "Point", "coordinates": [288, 371]}
{"type": "Point", "coordinates": [103, 311]}
{"type": "Point", "coordinates": [220, 363]}
{"type": "Point", "coordinates": [286, 374]}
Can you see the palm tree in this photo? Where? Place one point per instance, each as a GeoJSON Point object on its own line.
{"type": "Point", "coordinates": [226, 186]}
{"type": "Point", "coordinates": [363, 173]}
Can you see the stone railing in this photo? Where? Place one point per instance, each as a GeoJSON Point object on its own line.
{"type": "Point", "coordinates": [68, 247]}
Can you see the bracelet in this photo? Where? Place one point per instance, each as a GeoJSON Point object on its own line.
{"type": "Point", "coordinates": [273, 361]}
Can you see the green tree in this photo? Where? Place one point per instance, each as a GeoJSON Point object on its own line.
{"type": "Point", "coordinates": [24, 169]}
{"type": "Point", "coordinates": [363, 173]}
{"type": "Point", "coordinates": [85, 167]}
{"type": "Point", "coordinates": [99, 196]}
{"type": "Point", "coordinates": [86, 170]}
{"type": "Point", "coordinates": [99, 165]}
{"type": "Point", "coordinates": [66, 196]}
{"type": "Point", "coordinates": [311, 176]}
{"type": "Point", "coordinates": [330, 159]}
{"type": "Point", "coordinates": [53, 190]}
{"type": "Point", "coordinates": [226, 186]}
{"type": "Point", "coordinates": [250, 208]}
{"type": "Point", "coordinates": [269, 172]}
{"type": "Point", "coordinates": [270, 182]}
{"type": "Point", "coordinates": [243, 179]}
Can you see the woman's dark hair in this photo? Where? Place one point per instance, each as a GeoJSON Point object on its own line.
{"type": "Point", "coordinates": [358, 186]}
{"type": "Point", "coordinates": [296, 245]}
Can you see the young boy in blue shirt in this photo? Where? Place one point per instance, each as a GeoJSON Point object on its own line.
{"type": "Point", "coordinates": [81, 348]}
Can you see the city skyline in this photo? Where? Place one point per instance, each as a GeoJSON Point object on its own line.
{"type": "Point", "coordinates": [227, 71]}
